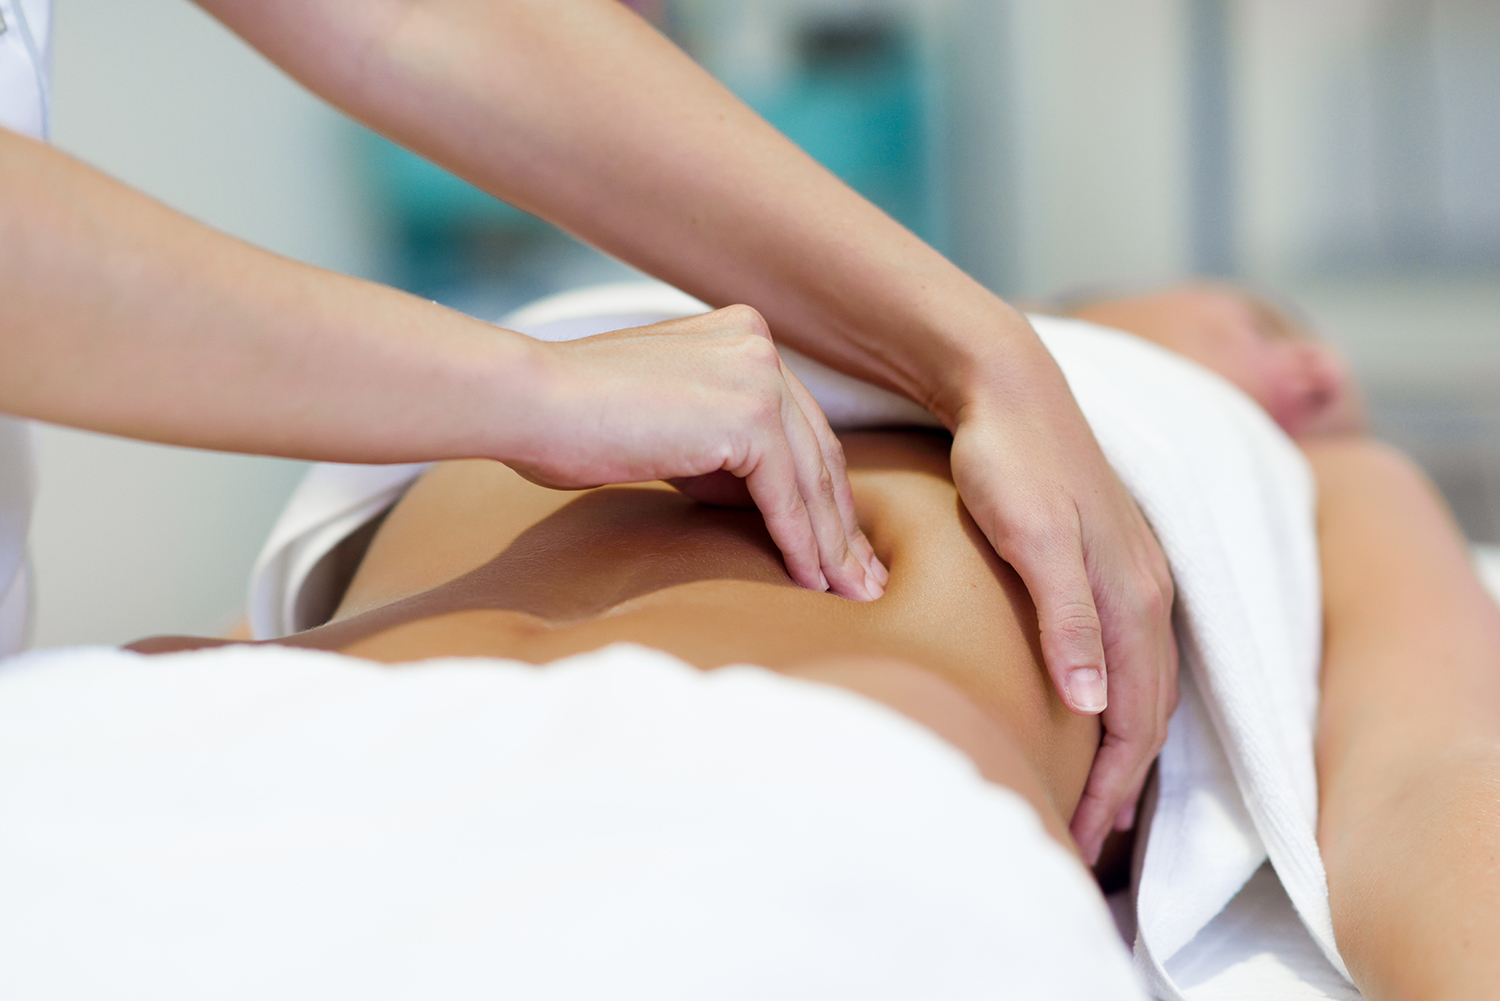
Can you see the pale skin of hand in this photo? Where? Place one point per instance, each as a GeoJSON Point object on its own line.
{"type": "Point", "coordinates": [1093, 567]}
{"type": "Point", "coordinates": [727, 423]}
{"type": "Point", "coordinates": [578, 111]}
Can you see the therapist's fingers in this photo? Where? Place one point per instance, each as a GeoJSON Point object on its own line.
{"type": "Point", "coordinates": [775, 482]}
{"type": "Point", "coordinates": [1100, 585]}
{"type": "Point", "coordinates": [1143, 683]}
{"type": "Point", "coordinates": [1039, 533]}
{"type": "Point", "coordinates": [771, 479]}
{"type": "Point", "coordinates": [817, 490]}
{"type": "Point", "coordinates": [1050, 562]}
{"type": "Point", "coordinates": [1125, 816]}
{"type": "Point", "coordinates": [793, 467]}
{"type": "Point", "coordinates": [1112, 794]}
{"type": "Point", "coordinates": [843, 494]}
{"type": "Point", "coordinates": [689, 401]}
{"type": "Point", "coordinates": [779, 442]}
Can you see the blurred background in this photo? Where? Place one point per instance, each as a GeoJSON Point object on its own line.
{"type": "Point", "coordinates": [1343, 152]}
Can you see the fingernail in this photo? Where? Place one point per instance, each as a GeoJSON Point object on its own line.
{"type": "Point", "coordinates": [1126, 820]}
{"type": "Point", "coordinates": [878, 569]}
{"type": "Point", "coordinates": [873, 586]}
{"type": "Point", "coordinates": [822, 581]}
{"type": "Point", "coordinates": [1086, 689]}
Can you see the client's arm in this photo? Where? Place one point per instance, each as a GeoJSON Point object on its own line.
{"type": "Point", "coordinates": [1409, 734]}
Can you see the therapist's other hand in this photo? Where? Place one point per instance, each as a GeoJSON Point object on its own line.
{"type": "Point", "coordinates": [706, 404]}
{"type": "Point", "coordinates": [1033, 477]}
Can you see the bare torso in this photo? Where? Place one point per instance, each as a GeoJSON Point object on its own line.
{"type": "Point", "coordinates": [475, 560]}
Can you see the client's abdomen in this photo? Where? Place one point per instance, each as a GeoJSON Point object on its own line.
{"type": "Point", "coordinates": [639, 563]}
{"type": "Point", "coordinates": [477, 561]}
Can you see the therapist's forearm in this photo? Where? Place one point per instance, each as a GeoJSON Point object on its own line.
{"type": "Point", "coordinates": [120, 315]}
{"type": "Point", "coordinates": [123, 316]}
{"type": "Point", "coordinates": [578, 111]}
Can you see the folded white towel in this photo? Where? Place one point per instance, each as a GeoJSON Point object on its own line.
{"type": "Point", "coordinates": [276, 823]}
{"type": "Point", "coordinates": [1231, 499]}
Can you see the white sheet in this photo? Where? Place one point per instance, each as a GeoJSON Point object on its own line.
{"type": "Point", "coordinates": [278, 823]}
{"type": "Point", "coordinates": [1232, 501]}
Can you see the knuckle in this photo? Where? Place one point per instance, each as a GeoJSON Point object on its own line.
{"type": "Point", "coordinates": [747, 319]}
{"type": "Point", "coordinates": [1170, 697]}
{"type": "Point", "coordinates": [823, 483]}
{"type": "Point", "coordinates": [1074, 621]}
{"type": "Point", "coordinates": [1161, 577]}
{"type": "Point", "coordinates": [1148, 601]}
{"type": "Point", "coordinates": [1151, 729]}
{"type": "Point", "coordinates": [1037, 538]}
{"type": "Point", "coordinates": [1156, 738]}
{"type": "Point", "coordinates": [1138, 595]}
{"type": "Point", "coordinates": [788, 504]}
{"type": "Point", "coordinates": [833, 455]}
{"type": "Point", "coordinates": [1139, 730]}
{"type": "Point", "coordinates": [763, 410]}
{"type": "Point", "coordinates": [1153, 568]}
{"type": "Point", "coordinates": [1167, 589]}
{"type": "Point", "coordinates": [728, 455]}
{"type": "Point", "coordinates": [758, 355]}
{"type": "Point", "coordinates": [1169, 706]}
{"type": "Point", "coordinates": [1160, 741]}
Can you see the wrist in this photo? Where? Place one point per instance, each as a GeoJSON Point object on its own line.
{"type": "Point", "coordinates": [992, 355]}
{"type": "Point", "coordinates": [503, 383]}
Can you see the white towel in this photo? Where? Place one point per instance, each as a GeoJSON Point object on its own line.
{"type": "Point", "coordinates": [1231, 500]}
{"type": "Point", "coordinates": [276, 823]}
{"type": "Point", "coordinates": [333, 501]}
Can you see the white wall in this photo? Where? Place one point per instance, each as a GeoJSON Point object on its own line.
{"type": "Point", "coordinates": [1068, 153]}
{"type": "Point", "coordinates": [1071, 155]}
{"type": "Point", "coordinates": [131, 539]}
{"type": "Point", "coordinates": [1343, 167]}
{"type": "Point", "coordinates": [161, 96]}
{"type": "Point", "coordinates": [1100, 148]}
{"type": "Point", "coordinates": [1066, 156]}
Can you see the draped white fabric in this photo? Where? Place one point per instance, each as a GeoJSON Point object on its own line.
{"type": "Point", "coordinates": [264, 822]}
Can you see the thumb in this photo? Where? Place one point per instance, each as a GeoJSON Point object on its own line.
{"type": "Point", "coordinates": [1072, 643]}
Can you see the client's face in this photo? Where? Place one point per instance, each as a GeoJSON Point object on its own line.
{"type": "Point", "coordinates": [1303, 385]}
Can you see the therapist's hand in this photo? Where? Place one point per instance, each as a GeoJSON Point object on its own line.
{"type": "Point", "coordinates": [1034, 479]}
{"type": "Point", "coordinates": [706, 404]}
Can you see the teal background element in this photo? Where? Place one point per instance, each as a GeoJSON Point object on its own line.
{"type": "Point", "coordinates": [852, 99]}
{"type": "Point", "coordinates": [856, 106]}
